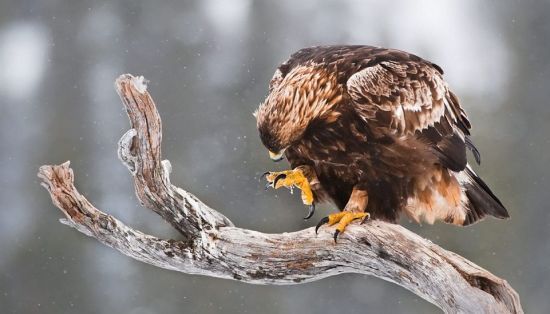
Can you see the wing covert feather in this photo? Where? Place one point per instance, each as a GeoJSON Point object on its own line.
{"type": "Point", "coordinates": [411, 98]}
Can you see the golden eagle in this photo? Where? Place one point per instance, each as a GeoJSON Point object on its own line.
{"type": "Point", "coordinates": [376, 131]}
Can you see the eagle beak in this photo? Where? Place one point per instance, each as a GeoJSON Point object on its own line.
{"type": "Point", "coordinates": [277, 156]}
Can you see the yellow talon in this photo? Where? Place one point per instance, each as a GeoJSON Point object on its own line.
{"type": "Point", "coordinates": [347, 218]}
{"type": "Point", "coordinates": [343, 219]}
{"type": "Point", "coordinates": [290, 179]}
{"type": "Point", "coordinates": [334, 218]}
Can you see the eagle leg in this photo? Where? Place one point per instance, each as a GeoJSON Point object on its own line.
{"type": "Point", "coordinates": [355, 209]}
{"type": "Point", "coordinates": [290, 179]}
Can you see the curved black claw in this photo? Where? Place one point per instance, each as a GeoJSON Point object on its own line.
{"type": "Point", "coordinates": [277, 178]}
{"type": "Point", "coordinates": [336, 233]}
{"type": "Point", "coordinates": [264, 175]}
{"type": "Point", "coordinates": [320, 223]}
{"type": "Point", "coordinates": [367, 217]}
{"type": "Point", "coordinates": [310, 212]}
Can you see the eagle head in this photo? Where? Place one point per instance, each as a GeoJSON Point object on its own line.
{"type": "Point", "coordinates": [296, 98]}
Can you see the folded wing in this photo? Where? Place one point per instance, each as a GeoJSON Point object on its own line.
{"type": "Point", "coordinates": [410, 98]}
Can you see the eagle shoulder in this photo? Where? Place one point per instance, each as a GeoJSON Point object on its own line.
{"type": "Point", "coordinates": [411, 98]}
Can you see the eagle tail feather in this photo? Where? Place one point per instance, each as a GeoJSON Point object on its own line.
{"type": "Point", "coordinates": [482, 201]}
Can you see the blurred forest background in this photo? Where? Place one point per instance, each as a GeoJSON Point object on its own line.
{"type": "Point", "coordinates": [209, 63]}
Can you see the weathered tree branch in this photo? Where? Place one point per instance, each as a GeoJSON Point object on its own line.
{"type": "Point", "coordinates": [213, 246]}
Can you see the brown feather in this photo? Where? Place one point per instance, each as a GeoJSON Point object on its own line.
{"type": "Point", "coordinates": [377, 120]}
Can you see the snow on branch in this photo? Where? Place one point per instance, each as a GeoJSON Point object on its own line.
{"type": "Point", "coordinates": [213, 246]}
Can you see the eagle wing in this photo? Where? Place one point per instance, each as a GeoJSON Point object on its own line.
{"type": "Point", "coordinates": [410, 98]}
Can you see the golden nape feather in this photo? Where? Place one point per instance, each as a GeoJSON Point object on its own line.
{"type": "Point", "coordinates": [375, 131]}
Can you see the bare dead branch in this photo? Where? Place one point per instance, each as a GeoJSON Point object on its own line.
{"type": "Point", "coordinates": [213, 246]}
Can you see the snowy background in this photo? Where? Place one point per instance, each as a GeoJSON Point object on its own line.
{"type": "Point", "coordinates": [209, 63]}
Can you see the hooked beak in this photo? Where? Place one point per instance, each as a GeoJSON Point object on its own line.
{"type": "Point", "coordinates": [277, 156]}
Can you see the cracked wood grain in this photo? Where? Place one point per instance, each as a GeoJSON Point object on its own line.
{"type": "Point", "coordinates": [213, 246]}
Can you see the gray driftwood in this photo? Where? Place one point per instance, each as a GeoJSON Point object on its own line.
{"type": "Point", "coordinates": [213, 246]}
